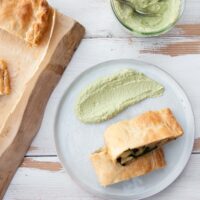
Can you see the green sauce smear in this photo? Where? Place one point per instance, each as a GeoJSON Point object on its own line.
{"type": "Point", "coordinates": [108, 96]}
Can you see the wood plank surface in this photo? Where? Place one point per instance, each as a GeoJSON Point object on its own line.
{"type": "Point", "coordinates": [98, 17]}
{"type": "Point", "coordinates": [44, 178]}
{"type": "Point", "coordinates": [41, 176]}
{"type": "Point", "coordinates": [184, 69]}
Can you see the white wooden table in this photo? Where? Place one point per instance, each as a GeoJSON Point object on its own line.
{"type": "Point", "coordinates": [41, 176]}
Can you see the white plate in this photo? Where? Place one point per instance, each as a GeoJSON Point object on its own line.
{"type": "Point", "coordinates": [76, 140]}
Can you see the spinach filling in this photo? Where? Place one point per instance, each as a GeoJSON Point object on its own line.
{"type": "Point", "coordinates": [132, 154]}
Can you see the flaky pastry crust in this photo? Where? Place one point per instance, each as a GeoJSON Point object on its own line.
{"type": "Point", "coordinates": [147, 128]}
{"type": "Point", "coordinates": [109, 173]}
{"type": "Point", "coordinates": [5, 88]}
{"type": "Point", "coordinates": [27, 19]}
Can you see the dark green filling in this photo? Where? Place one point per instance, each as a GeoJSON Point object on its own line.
{"type": "Point", "coordinates": [148, 149]}
{"type": "Point", "coordinates": [135, 153]}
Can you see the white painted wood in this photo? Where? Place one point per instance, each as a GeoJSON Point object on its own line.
{"type": "Point", "coordinates": [99, 19]}
{"type": "Point", "coordinates": [36, 184]}
{"type": "Point", "coordinates": [185, 69]}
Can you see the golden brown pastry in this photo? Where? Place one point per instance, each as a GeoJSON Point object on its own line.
{"type": "Point", "coordinates": [4, 79]}
{"type": "Point", "coordinates": [127, 140]}
{"type": "Point", "coordinates": [27, 19]}
{"type": "Point", "coordinates": [110, 173]}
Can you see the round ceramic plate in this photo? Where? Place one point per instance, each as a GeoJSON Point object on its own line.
{"type": "Point", "coordinates": [75, 141]}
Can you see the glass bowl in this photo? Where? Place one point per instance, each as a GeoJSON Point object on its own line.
{"type": "Point", "coordinates": [147, 34]}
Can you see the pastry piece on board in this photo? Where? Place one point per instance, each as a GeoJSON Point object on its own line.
{"type": "Point", "coordinates": [127, 140]}
{"type": "Point", "coordinates": [27, 19]}
{"type": "Point", "coordinates": [4, 79]}
{"type": "Point", "coordinates": [109, 172]}
{"type": "Point", "coordinates": [24, 62]}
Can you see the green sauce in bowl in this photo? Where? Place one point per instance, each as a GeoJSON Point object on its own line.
{"type": "Point", "coordinates": [162, 15]}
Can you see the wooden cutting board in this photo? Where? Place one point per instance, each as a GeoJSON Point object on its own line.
{"type": "Point", "coordinates": [24, 123]}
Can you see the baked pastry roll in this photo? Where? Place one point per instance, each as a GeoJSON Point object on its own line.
{"type": "Point", "coordinates": [4, 79]}
{"type": "Point", "coordinates": [130, 139]}
{"type": "Point", "coordinates": [109, 172]}
{"type": "Point", "coordinates": [27, 19]}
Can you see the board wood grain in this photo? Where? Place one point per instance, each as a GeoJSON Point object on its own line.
{"type": "Point", "coordinates": [65, 39]}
